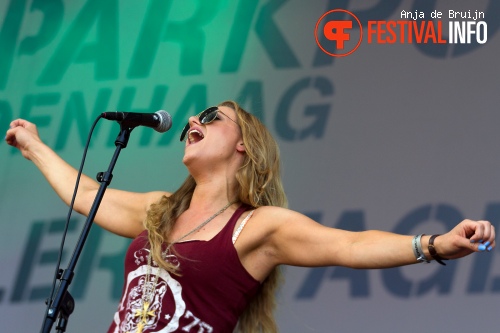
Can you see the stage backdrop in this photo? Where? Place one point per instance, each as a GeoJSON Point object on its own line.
{"type": "Point", "coordinates": [400, 135]}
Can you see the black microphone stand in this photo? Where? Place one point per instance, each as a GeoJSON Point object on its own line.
{"type": "Point", "coordinates": [63, 303]}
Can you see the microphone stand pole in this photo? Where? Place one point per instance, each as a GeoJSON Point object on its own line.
{"type": "Point", "coordinates": [63, 303]}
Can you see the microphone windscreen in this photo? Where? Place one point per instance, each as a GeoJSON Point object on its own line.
{"type": "Point", "coordinates": [165, 121]}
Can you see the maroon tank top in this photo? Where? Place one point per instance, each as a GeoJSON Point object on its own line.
{"type": "Point", "coordinates": [213, 290]}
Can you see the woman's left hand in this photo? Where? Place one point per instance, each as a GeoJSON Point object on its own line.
{"type": "Point", "coordinates": [467, 237]}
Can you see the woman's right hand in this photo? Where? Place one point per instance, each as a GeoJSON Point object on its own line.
{"type": "Point", "coordinates": [120, 212]}
{"type": "Point", "coordinates": [22, 134]}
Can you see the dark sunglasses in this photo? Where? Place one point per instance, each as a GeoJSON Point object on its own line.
{"type": "Point", "coordinates": [206, 117]}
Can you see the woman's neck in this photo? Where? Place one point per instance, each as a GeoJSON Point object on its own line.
{"type": "Point", "coordinates": [213, 193]}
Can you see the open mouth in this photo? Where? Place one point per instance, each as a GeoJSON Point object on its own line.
{"type": "Point", "coordinates": [195, 136]}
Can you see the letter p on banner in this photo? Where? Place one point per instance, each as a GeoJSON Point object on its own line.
{"type": "Point", "coordinates": [338, 36]}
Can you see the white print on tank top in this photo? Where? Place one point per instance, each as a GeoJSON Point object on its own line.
{"type": "Point", "coordinates": [132, 300]}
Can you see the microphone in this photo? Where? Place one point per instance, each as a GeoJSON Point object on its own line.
{"type": "Point", "coordinates": [160, 121]}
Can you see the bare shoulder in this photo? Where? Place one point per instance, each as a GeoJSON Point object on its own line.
{"type": "Point", "coordinates": [155, 196]}
{"type": "Point", "coordinates": [270, 214]}
{"type": "Point", "coordinates": [271, 218]}
{"type": "Point", "coordinates": [273, 236]}
{"type": "Point", "coordinates": [138, 201]}
{"type": "Point", "coordinates": [273, 210]}
{"type": "Point", "coordinates": [265, 220]}
{"type": "Point", "coordinates": [281, 224]}
{"type": "Point", "coordinates": [270, 226]}
{"type": "Point", "coordinates": [123, 212]}
{"type": "Point", "coordinates": [277, 215]}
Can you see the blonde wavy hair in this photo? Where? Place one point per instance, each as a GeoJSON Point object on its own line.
{"type": "Point", "coordinates": [259, 184]}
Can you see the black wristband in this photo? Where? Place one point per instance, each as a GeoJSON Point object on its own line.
{"type": "Point", "coordinates": [433, 251]}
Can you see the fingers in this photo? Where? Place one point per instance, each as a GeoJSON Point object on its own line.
{"type": "Point", "coordinates": [21, 123]}
{"type": "Point", "coordinates": [484, 235]}
{"type": "Point", "coordinates": [488, 243]}
{"type": "Point", "coordinates": [20, 133]}
{"type": "Point", "coordinates": [10, 135]}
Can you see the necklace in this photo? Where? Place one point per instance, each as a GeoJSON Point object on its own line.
{"type": "Point", "coordinates": [149, 287]}
{"type": "Point", "coordinates": [199, 227]}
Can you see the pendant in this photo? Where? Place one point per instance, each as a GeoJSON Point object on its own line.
{"type": "Point", "coordinates": [144, 314]}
